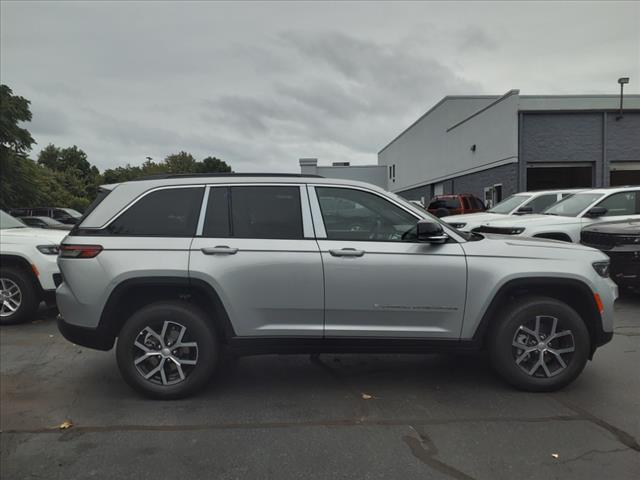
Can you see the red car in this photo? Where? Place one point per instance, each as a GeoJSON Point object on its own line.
{"type": "Point", "coordinates": [444, 205]}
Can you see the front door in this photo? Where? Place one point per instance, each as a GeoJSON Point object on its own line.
{"type": "Point", "coordinates": [377, 283]}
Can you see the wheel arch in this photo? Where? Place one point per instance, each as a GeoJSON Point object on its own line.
{"type": "Point", "coordinates": [132, 294]}
{"type": "Point", "coordinates": [22, 263]}
{"type": "Point", "coordinates": [563, 237]}
{"type": "Point", "coordinates": [575, 293]}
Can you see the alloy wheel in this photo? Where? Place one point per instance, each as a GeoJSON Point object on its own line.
{"type": "Point", "coordinates": [10, 297]}
{"type": "Point", "coordinates": [541, 349]}
{"type": "Point", "coordinates": [165, 357]}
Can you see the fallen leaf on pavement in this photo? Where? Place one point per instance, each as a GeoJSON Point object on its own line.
{"type": "Point", "coordinates": [66, 424]}
{"type": "Point", "coordinates": [555, 455]}
{"type": "Point", "coordinates": [366, 396]}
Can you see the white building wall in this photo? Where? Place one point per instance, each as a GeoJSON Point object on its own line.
{"type": "Point", "coordinates": [421, 153]}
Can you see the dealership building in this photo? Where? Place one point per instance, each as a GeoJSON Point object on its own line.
{"type": "Point", "coordinates": [493, 146]}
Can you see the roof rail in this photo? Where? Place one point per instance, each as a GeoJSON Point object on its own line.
{"type": "Point", "coordinates": [162, 176]}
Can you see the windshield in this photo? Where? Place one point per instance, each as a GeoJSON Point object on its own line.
{"type": "Point", "coordinates": [72, 212]}
{"type": "Point", "coordinates": [509, 203]}
{"type": "Point", "coordinates": [573, 205]}
{"type": "Point", "coordinates": [7, 221]}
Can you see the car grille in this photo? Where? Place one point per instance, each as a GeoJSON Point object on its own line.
{"type": "Point", "coordinates": [499, 230]}
{"type": "Point", "coordinates": [606, 241]}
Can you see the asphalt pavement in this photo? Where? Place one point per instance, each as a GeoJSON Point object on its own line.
{"type": "Point", "coordinates": [327, 416]}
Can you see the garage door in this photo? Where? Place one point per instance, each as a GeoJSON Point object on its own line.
{"type": "Point", "coordinates": [559, 176]}
{"type": "Point", "coordinates": [624, 173]}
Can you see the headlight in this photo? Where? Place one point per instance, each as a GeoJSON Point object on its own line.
{"type": "Point", "coordinates": [601, 268]}
{"type": "Point", "coordinates": [457, 225]}
{"type": "Point", "coordinates": [48, 249]}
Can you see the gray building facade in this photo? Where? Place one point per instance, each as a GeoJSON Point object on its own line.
{"type": "Point", "coordinates": [493, 146]}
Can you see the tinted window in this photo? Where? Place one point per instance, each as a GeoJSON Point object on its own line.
{"type": "Point", "coordinates": [623, 203]}
{"type": "Point", "coordinates": [266, 212]}
{"type": "Point", "coordinates": [448, 203]}
{"type": "Point", "coordinates": [216, 222]}
{"type": "Point", "coordinates": [40, 212]}
{"type": "Point", "coordinates": [358, 215]}
{"type": "Point", "coordinates": [538, 204]}
{"type": "Point", "coordinates": [169, 212]}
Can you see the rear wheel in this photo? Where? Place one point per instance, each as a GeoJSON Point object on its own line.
{"type": "Point", "coordinates": [539, 344]}
{"type": "Point", "coordinates": [18, 296]}
{"type": "Point", "coordinates": [167, 350]}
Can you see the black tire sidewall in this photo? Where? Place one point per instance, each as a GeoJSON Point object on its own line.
{"type": "Point", "coordinates": [196, 323]}
{"type": "Point", "coordinates": [30, 300]}
{"type": "Point", "coordinates": [502, 337]}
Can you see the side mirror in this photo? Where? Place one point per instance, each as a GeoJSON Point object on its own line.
{"type": "Point", "coordinates": [524, 210]}
{"type": "Point", "coordinates": [596, 212]}
{"type": "Point", "coordinates": [430, 232]}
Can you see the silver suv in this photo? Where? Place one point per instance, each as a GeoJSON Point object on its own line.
{"type": "Point", "coordinates": [184, 269]}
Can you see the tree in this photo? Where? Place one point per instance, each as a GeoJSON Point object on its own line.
{"type": "Point", "coordinates": [14, 109]}
{"type": "Point", "coordinates": [213, 165]}
{"type": "Point", "coordinates": [182, 162]}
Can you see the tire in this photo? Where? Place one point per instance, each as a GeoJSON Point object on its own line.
{"type": "Point", "coordinates": [167, 381]}
{"type": "Point", "coordinates": [17, 286]}
{"type": "Point", "coordinates": [510, 342]}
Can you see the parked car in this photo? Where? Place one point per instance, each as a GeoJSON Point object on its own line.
{"type": "Point", "coordinates": [565, 219]}
{"type": "Point", "coordinates": [524, 203]}
{"type": "Point", "coordinates": [444, 205]}
{"type": "Point", "coordinates": [28, 269]}
{"type": "Point", "coordinates": [183, 268]}
{"type": "Point", "coordinates": [68, 216]}
{"type": "Point", "coordinates": [621, 242]}
{"type": "Point", "coordinates": [45, 222]}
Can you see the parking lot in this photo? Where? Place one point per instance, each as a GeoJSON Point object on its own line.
{"type": "Point", "coordinates": [332, 416]}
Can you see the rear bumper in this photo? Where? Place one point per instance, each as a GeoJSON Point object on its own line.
{"type": "Point", "coordinates": [94, 338]}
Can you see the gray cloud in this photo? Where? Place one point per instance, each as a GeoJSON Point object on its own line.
{"type": "Point", "coordinates": [263, 84]}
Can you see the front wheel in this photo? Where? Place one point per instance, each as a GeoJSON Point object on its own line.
{"type": "Point", "coordinates": [18, 296]}
{"type": "Point", "coordinates": [539, 344]}
{"type": "Point", "coordinates": [167, 350]}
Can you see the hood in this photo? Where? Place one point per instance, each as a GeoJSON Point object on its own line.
{"type": "Point", "coordinates": [532, 221]}
{"type": "Point", "coordinates": [28, 235]}
{"type": "Point", "coordinates": [629, 227]}
{"type": "Point", "coordinates": [473, 217]}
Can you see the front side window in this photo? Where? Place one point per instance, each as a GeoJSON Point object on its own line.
{"type": "Point", "coordinates": [538, 204]}
{"type": "Point", "coordinates": [573, 205]}
{"type": "Point", "coordinates": [362, 216]}
{"type": "Point", "coordinates": [269, 212]}
{"type": "Point", "coordinates": [170, 212]}
{"type": "Point", "coordinates": [622, 203]}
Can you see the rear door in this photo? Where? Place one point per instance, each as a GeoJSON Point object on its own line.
{"type": "Point", "coordinates": [255, 246]}
{"type": "Point", "coordinates": [377, 283]}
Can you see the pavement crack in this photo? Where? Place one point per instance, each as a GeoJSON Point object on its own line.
{"type": "Point", "coordinates": [423, 448]}
{"type": "Point", "coordinates": [593, 452]}
{"type": "Point", "coordinates": [620, 435]}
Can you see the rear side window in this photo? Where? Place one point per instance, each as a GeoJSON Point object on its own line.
{"type": "Point", "coordinates": [465, 203]}
{"type": "Point", "coordinates": [171, 212]}
{"type": "Point", "coordinates": [269, 212]}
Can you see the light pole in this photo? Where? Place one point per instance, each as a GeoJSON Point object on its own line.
{"type": "Point", "coordinates": [622, 81]}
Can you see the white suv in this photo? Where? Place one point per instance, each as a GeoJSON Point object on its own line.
{"type": "Point", "coordinates": [523, 203]}
{"type": "Point", "coordinates": [28, 272]}
{"type": "Point", "coordinates": [564, 220]}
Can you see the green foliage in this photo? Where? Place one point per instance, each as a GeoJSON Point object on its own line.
{"type": "Point", "coordinates": [64, 177]}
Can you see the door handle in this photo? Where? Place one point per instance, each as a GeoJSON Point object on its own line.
{"type": "Point", "coordinates": [347, 252]}
{"type": "Point", "coordinates": [219, 250]}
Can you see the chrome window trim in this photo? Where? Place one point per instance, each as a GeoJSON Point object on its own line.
{"type": "Point", "coordinates": [203, 208]}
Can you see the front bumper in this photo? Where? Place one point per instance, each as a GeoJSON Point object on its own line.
{"type": "Point", "coordinates": [95, 338]}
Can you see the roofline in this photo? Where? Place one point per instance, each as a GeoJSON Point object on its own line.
{"type": "Point", "coordinates": [484, 109]}
{"type": "Point", "coordinates": [444, 99]}
{"type": "Point", "coordinates": [162, 176]}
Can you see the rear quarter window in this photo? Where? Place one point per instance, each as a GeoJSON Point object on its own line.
{"type": "Point", "coordinates": [170, 212]}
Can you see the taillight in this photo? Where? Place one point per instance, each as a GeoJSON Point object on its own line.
{"type": "Point", "coordinates": [80, 251]}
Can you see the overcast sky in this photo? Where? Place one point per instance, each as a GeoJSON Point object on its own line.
{"type": "Point", "coordinates": [263, 84]}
